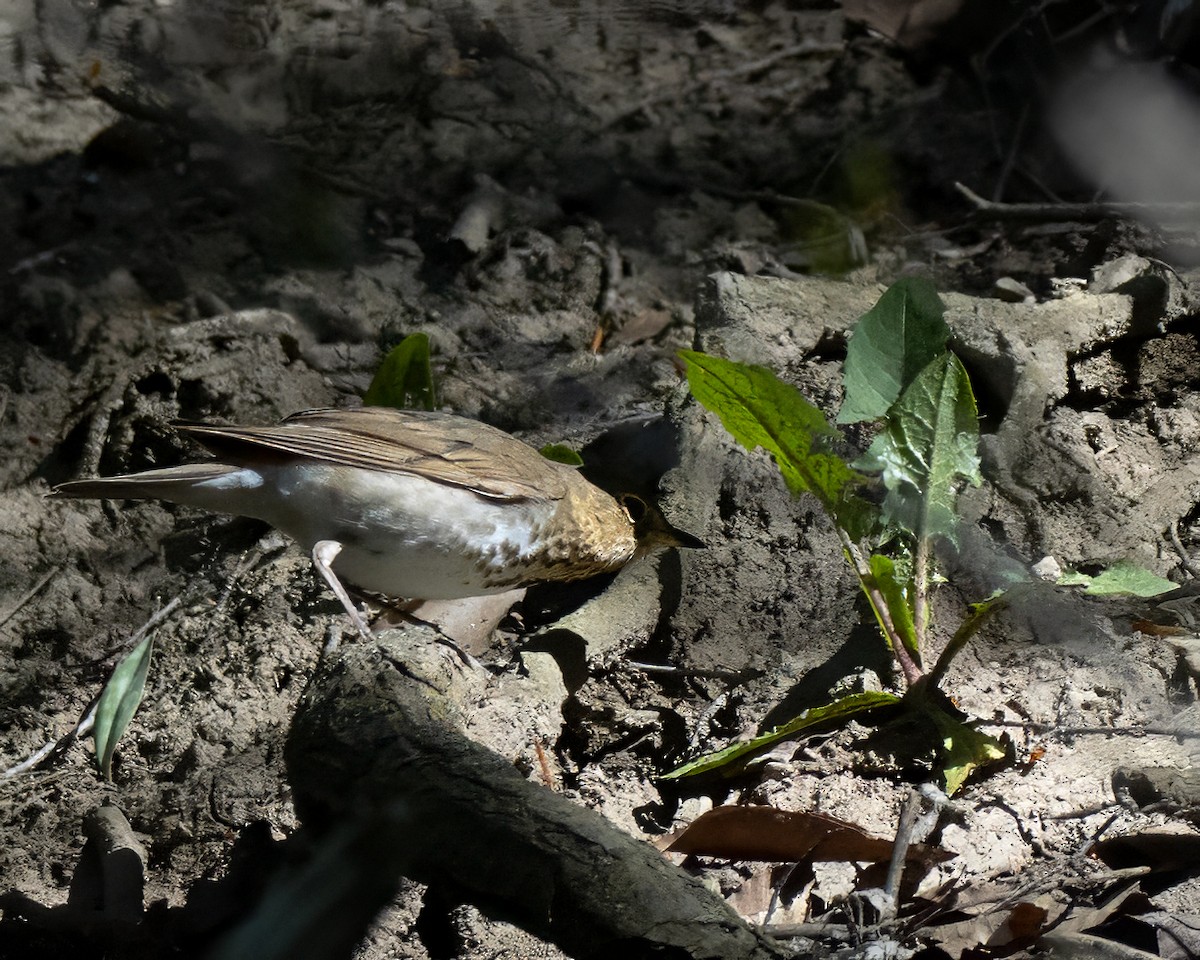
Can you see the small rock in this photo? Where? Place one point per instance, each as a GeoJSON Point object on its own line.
{"type": "Point", "coordinates": [1047, 569]}
{"type": "Point", "coordinates": [1012, 291]}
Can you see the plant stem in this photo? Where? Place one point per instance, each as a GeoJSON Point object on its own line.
{"type": "Point", "coordinates": [908, 666]}
{"type": "Point", "coordinates": [980, 615]}
{"type": "Point", "coordinates": [921, 592]}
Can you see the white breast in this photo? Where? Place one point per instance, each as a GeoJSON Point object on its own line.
{"type": "Point", "coordinates": [401, 535]}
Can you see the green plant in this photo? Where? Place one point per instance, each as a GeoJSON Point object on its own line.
{"type": "Point", "coordinates": [900, 375]}
{"type": "Point", "coordinates": [119, 701]}
{"type": "Point", "coordinates": [404, 379]}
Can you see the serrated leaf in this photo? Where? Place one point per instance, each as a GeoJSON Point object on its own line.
{"type": "Point", "coordinates": [896, 590]}
{"type": "Point", "coordinates": [838, 710]}
{"type": "Point", "coordinates": [118, 702]}
{"type": "Point", "coordinates": [964, 748]}
{"type": "Point", "coordinates": [760, 410]}
{"type": "Point", "coordinates": [929, 444]}
{"type": "Point", "coordinates": [891, 344]}
{"type": "Point", "coordinates": [405, 378]}
{"type": "Point", "coordinates": [561, 453]}
{"type": "Point", "coordinates": [1121, 579]}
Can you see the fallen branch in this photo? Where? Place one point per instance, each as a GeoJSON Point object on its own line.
{"type": "Point", "coordinates": [375, 743]}
{"type": "Point", "coordinates": [1088, 212]}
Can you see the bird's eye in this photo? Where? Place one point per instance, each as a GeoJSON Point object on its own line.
{"type": "Point", "coordinates": [634, 507]}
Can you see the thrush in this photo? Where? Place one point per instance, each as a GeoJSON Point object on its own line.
{"type": "Point", "coordinates": [406, 503]}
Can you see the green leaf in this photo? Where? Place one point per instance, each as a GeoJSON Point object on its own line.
{"type": "Point", "coordinates": [838, 710]}
{"type": "Point", "coordinates": [891, 344]}
{"type": "Point", "coordinates": [118, 702]}
{"type": "Point", "coordinates": [929, 443]}
{"type": "Point", "coordinates": [964, 748]}
{"type": "Point", "coordinates": [760, 410]}
{"type": "Point", "coordinates": [405, 378]}
{"type": "Point", "coordinates": [561, 453]}
{"type": "Point", "coordinates": [896, 593]}
{"type": "Point", "coordinates": [1121, 579]}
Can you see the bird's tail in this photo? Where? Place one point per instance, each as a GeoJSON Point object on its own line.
{"type": "Point", "coordinates": [193, 483]}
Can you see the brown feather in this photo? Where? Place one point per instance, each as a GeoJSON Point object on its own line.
{"type": "Point", "coordinates": [439, 447]}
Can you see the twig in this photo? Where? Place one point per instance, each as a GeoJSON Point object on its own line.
{"type": "Point", "coordinates": [918, 819]}
{"type": "Point", "coordinates": [1185, 559]}
{"type": "Point", "coordinates": [904, 837]}
{"type": "Point", "coordinates": [1039, 212]}
{"type": "Point", "coordinates": [81, 729]}
{"type": "Point", "coordinates": [732, 676]}
{"type": "Point", "coordinates": [1010, 157]}
{"type": "Point", "coordinates": [1035, 727]}
{"type": "Point", "coordinates": [705, 80]}
{"type": "Point", "coordinates": [30, 594]}
{"type": "Point", "coordinates": [85, 725]}
{"type": "Point", "coordinates": [706, 717]}
{"type": "Point", "coordinates": [830, 931]}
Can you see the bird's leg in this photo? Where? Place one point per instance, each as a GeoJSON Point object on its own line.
{"type": "Point", "coordinates": [324, 552]}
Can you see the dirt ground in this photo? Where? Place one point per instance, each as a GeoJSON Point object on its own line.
{"type": "Point", "coordinates": [230, 211]}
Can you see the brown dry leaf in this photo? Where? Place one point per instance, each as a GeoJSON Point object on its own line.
{"type": "Point", "coordinates": [764, 833]}
{"type": "Point", "coordinates": [1150, 628]}
{"type": "Point", "coordinates": [1158, 849]}
{"type": "Point", "coordinates": [1178, 936]}
{"type": "Point", "coordinates": [910, 23]}
{"type": "Point", "coordinates": [644, 324]}
{"type": "Point", "coordinates": [947, 24]}
{"type": "Point", "coordinates": [1025, 923]}
{"type": "Point", "coordinates": [754, 895]}
{"type": "Point", "coordinates": [1083, 946]}
{"type": "Point", "coordinates": [995, 929]}
{"type": "Point", "coordinates": [1114, 904]}
{"type": "Point", "coordinates": [469, 622]}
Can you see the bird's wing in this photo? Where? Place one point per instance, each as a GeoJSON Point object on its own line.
{"type": "Point", "coordinates": [437, 446]}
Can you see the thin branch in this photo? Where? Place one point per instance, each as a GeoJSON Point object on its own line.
{"type": "Point", "coordinates": [1103, 731]}
{"type": "Point", "coordinates": [1185, 559]}
{"type": "Point", "coordinates": [806, 48]}
{"type": "Point", "coordinates": [84, 726]}
{"type": "Point", "coordinates": [1089, 212]}
{"type": "Point", "coordinates": [906, 834]}
{"type": "Point", "coordinates": [30, 594]}
{"type": "Point", "coordinates": [81, 729]}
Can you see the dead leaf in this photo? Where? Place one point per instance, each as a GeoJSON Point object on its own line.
{"type": "Point", "coordinates": [469, 622]}
{"type": "Point", "coordinates": [764, 833]}
{"type": "Point", "coordinates": [1158, 849]}
{"type": "Point", "coordinates": [1083, 946]}
{"type": "Point", "coordinates": [1178, 936]}
{"type": "Point", "coordinates": [945, 24]}
{"type": "Point", "coordinates": [910, 23]}
{"type": "Point", "coordinates": [999, 930]}
{"type": "Point", "coordinates": [644, 324]}
{"type": "Point", "coordinates": [1152, 629]}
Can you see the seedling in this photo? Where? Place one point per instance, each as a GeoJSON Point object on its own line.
{"type": "Point", "coordinates": [900, 375]}
{"type": "Point", "coordinates": [404, 379]}
{"type": "Point", "coordinates": [119, 701]}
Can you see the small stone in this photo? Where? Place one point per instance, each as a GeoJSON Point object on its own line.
{"type": "Point", "coordinates": [1047, 569]}
{"type": "Point", "coordinates": [1012, 291]}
